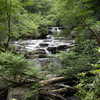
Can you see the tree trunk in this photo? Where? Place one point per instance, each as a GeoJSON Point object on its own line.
{"type": "Point", "coordinates": [8, 8]}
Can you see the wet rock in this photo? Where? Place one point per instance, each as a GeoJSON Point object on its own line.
{"type": "Point", "coordinates": [50, 37]}
{"type": "Point", "coordinates": [42, 56]}
{"type": "Point", "coordinates": [62, 47]}
{"type": "Point", "coordinates": [40, 51]}
{"type": "Point", "coordinates": [51, 49]}
{"type": "Point", "coordinates": [47, 40]}
{"type": "Point", "coordinates": [43, 44]}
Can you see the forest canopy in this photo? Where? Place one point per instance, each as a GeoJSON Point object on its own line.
{"type": "Point", "coordinates": [66, 64]}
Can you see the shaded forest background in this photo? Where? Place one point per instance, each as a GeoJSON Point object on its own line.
{"type": "Point", "coordinates": [30, 19]}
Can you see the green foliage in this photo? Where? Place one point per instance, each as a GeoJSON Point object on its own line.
{"type": "Point", "coordinates": [89, 87]}
{"type": "Point", "coordinates": [78, 15]}
{"type": "Point", "coordinates": [86, 47]}
{"type": "Point", "coordinates": [74, 63]}
{"type": "Point", "coordinates": [37, 6]}
{"type": "Point", "coordinates": [80, 58]}
{"type": "Point", "coordinates": [12, 65]}
{"type": "Point", "coordinates": [82, 61]}
{"type": "Point", "coordinates": [31, 18]}
{"type": "Point", "coordinates": [25, 18]}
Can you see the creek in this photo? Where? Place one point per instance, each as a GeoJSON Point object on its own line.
{"type": "Point", "coordinates": [40, 52]}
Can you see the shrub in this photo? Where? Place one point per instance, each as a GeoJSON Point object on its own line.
{"type": "Point", "coordinates": [12, 65]}
{"type": "Point", "coordinates": [89, 90]}
{"type": "Point", "coordinates": [74, 63]}
{"type": "Point", "coordinates": [80, 58]}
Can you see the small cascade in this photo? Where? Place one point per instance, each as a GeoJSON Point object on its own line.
{"type": "Point", "coordinates": [47, 52]}
{"type": "Point", "coordinates": [50, 37]}
{"type": "Point", "coordinates": [48, 46]}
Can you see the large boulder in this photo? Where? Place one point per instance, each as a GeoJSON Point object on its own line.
{"type": "Point", "coordinates": [62, 47]}
{"type": "Point", "coordinates": [52, 49]}
{"type": "Point", "coordinates": [44, 44]}
{"type": "Point", "coordinates": [38, 53]}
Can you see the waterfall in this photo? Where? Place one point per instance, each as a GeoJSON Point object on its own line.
{"type": "Point", "coordinates": [47, 52]}
{"type": "Point", "coordinates": [45, 46]}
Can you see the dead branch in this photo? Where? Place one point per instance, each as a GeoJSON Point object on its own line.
{"type": "Point", "coordinates": [51, 81]}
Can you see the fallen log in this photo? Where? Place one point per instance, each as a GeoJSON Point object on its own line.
{"type": "Point", "coordinates": [51, 81]}
{"type": "Point", "coordinates": [56, 88]}
{"type": "Point", "coordinates": [53, 88]}
{"type": "Point", "coordinates": [59, 90]}
{"type": "Point", "coordinates": [52, 95]}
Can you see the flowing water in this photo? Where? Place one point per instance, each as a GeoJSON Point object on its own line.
{"type": "Point", "coordinates": [48, 46]}
{"type": "Point", "coordinates": [42, 49]}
